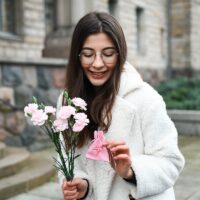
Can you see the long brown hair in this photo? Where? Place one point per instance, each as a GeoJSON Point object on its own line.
{"type": "Point", "coordinates": [99, 102]}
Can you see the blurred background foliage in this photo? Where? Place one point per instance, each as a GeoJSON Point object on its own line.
{"type": "Point", "coordinates": [181, 93]}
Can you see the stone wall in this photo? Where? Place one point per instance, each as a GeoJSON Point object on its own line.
{"type": "Point", "coordinates": [153, 37]}
{"type": "Point", "coordinates": [187, 122]}
{"type": "Point", "coordinates": [195, 35]}
{"type": "Point", "coordinates": [24, 73]}
{"type": "Point", "coordinates": [185, 36]}
{"type": "Point", "coordinates": [19, 82]}
{"type": "Point", "coordinates": [152, 62]}
{"type": "Point", "coordinates": [181, 16]}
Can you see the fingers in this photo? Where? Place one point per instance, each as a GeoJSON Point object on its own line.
{"type": "Point", "coordinates": [117, 147]}
{"type": "Point", "coordinates": [121, 157]}
{"type": "Point", "coordinates": [68, 185]}
{"type": "Point", "coordinates": [113, 143]}
{"type": "Point", "coordinates": [118, 151]}
{"type": "Point", "coordinates": [71, 184]}
{"type": "Point", "coordinates": [112, 161]}
{"type": "Point", "coordinates": [70, 191]}
{"type": "Point", "coordinates": [74, 189]}
{"type": "Point", "coordinates": [70, 195]}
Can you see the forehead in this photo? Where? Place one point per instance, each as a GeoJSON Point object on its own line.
{"type": "Point", "coordinates": [98, 41]}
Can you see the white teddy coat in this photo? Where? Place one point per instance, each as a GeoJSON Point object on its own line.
{"type": "Point", "coordinates": [139, 118]}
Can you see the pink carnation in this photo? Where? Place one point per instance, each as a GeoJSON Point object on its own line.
{"type": "Point", "coordinates": [49, 110]}
{"type": "Point", "coordinates": [60, 125]}
{"type": "Point", "coordinates": [78, 127]}
{"type": "Point", "coordinates": [39, 117]}
{"type": "Point", "coordinates": [81, 121]}
{"type": "Point", "coordinates": [65, 112]}
{"type": "Point", "coordinates": [30, 109]}
{"type": "Point", "coordinates": [79, 103]}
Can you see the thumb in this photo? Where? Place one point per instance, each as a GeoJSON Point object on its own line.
{"type": "Point", "coordinates": [64, 183]}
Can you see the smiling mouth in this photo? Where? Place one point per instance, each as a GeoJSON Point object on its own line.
{"type": "Point", "coordinates": [97, 74]}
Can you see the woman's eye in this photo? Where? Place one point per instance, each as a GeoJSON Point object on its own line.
{"type": "Point", "coordinates": [108, 53]}
{"type": "Point", "coordinates": [87, 54]}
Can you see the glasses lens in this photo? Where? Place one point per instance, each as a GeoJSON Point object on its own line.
{"type": "Point", "coordinates": [87, 56]}
{"type": "Point", "coordinates": [109, 56]}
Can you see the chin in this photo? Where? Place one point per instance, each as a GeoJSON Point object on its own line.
{"type": "Point", "coordinates": [97, 83]}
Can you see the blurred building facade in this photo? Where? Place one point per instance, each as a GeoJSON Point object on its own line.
{"type": "Point", "coordinates": [23, 70]}
{"type": "Point", "coordinates": [163, 39]}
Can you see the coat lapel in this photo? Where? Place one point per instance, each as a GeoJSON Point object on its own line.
{"type": "Point", "coordinates": [122, 118]}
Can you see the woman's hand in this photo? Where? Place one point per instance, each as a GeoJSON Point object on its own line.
{"type": "Point", "coordinates": [120, 158]}
{"type": "Point", "coordinates": [75, 189]}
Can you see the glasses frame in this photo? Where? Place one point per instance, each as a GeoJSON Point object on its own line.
{"type": "Point", "coordinates": [95, 54]}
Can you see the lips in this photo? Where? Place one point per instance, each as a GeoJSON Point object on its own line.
{"type": "Point", "coordinates": [97, 75]}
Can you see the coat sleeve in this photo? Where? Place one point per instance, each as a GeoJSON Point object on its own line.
{"type": "Point", "coordinates": [158, 168]}
{"type": "Point", "coordinates": [79, 169]}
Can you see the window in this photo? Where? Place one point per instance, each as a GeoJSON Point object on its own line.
{"type": "Point", "coordinates": [112, 7]}
{"type": "Point", "coordinates": [50, 13]}
{"type": "Point", "coordinates": [140, 30]}
{"type": "Point", "coordinates": [7, 16]}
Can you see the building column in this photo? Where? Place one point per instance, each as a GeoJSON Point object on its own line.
{"type": "Point", "coordinates": [63, 13]}
{"type": "Point", "coordinates": [78, 9]}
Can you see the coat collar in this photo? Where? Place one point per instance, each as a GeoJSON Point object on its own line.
{"type": "Point", "coordinates": [130, 80]}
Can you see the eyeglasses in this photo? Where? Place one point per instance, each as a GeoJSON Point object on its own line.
{"type": "Point", "coordinates": [108, 56]}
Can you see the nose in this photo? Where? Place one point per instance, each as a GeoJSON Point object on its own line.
{"type": "Point", "coordinates": [98, 62]}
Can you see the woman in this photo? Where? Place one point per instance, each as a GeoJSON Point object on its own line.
{"type": "Point", "coordinates": [139, 134]}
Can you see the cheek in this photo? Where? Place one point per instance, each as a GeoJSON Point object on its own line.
{"type": "Point", "coordinates": [86, 73]}
{"type": "Point", "coordinates": [85, 68]}
{"type": "Point", "coordinates": [111, 68]}
{"type": "Point", "coordinates": [110, 73]}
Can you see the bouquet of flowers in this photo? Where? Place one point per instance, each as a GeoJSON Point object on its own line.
{"type": "Point", "coordinates": [62, 127]}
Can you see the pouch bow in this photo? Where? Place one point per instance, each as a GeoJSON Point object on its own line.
{"type": "Point", "coordinates": [96, 150]}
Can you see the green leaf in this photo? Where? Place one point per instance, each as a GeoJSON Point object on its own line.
{"type": "Point", "coordinates": [66, 95]}
{"type": "Point", "coordinates": [77, 156]}
{"type": "Point", "coordinates": [34, 99]}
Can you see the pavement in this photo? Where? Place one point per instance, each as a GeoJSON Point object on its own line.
{"type": "Point", "coordinates": [186, 188]}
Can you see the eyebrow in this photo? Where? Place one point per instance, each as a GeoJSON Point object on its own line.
{"type": "Point", "coordinates": [88, 48]}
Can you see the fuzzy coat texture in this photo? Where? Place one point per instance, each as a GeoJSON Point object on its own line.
{"type": "Point", "coordinates": [139, 118]}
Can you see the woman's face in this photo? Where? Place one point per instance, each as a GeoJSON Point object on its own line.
{"type": "Point", "coordinates": [98, 58]}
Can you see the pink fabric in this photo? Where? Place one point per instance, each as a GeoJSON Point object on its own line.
{"type": "Point", "coordinates": [96, 150]}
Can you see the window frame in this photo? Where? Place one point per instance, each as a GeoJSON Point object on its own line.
{"type": "Point", "coordinates": [54, 18]}
{"type": "Point", "coordinates": [113, 7]}
{"type": "Point", "coordinates": [140, 30]}
{"type": "Point", "coordinates": [18, 23]}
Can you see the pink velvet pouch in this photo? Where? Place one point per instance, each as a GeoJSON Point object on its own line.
{"type": "Point", "coordinates": [96, 150]}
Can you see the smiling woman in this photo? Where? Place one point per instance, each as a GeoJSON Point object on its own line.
{"type": "Point", "coordinates": [98, 58]}
{"type": "Point", "coordinates": [139, 137]}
